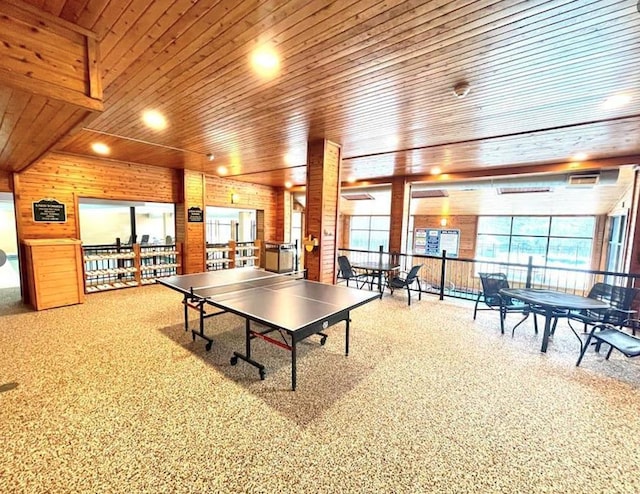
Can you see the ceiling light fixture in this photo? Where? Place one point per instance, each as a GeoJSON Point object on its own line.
{"type": "Point", "coordinates": [222, 170]}
{"type": "Point", "coordinates": [154, 120]}
{"type": "Point", "coordinates": [210, 156]}
{"type": "Point", "coordinates": [265, 61]}
{"type": "Point", "coordinates": [615, 101]}
{"type": "Point", "coordinates": [461, 89]}
{"type": "Point", "coordinates": [579, 157]}
{"type": "Point", "coordinates": [288, 184]}
{"type": "Point", "coordinates": [100, 148]}
{"type": "Point", "coordinates": [436, 170]}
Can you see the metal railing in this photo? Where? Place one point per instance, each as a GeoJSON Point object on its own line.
{"type": "Point", "coordinates": [458, 277]}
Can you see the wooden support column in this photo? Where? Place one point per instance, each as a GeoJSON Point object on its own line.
{"type": "Point", "coordinates": [632, 260]}
{"type": "Point", "coordinates": [323, 189]}
{"type": "Point", "coordinates": [192, 233]}
{"type": "Point", "coordinates": [400, 196]}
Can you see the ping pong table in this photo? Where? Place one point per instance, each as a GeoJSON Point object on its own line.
{"type": "Point", "coordinates": [294, 307]}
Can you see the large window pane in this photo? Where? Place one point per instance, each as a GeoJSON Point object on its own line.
{"type": "Point", "coordinates": [380, 223]}
{"type": "Point", "coordinates": [360, 222]}
{"type": "Point", "coordinates": [549, 241]}
{"type": "Point", "coordinates": [569, 252]}
{"type": "Point", "coordinates": [492, 247]}
{"type": "Point", "coordinates": [531, 225]}
{"type": "Point", "coordinates": [494, 224]}
{"type": "Point", "coordinates": [524, 247]}
{"type": "Point", "coordinates": [575, 226]}
{"type": "Point", "coordinates": [377, 239]}
{"type": "Point", "coordinates": [369, 232]}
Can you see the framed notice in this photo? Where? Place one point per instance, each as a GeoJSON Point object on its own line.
{"type": "Point", "coordinates": [195, 215]}
{"type": "Point", "coordinates": [49, 211]}
{"type": "Point", "coordinates": [433, 241]}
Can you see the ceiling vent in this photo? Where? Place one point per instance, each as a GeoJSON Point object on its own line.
{"type": "Point", "coordinates": [584, 180]}
{"type": "Point", "coordinates": [361, 196]}
{"type": "Point", "coordinates": [522, 190]}
{"type": "Point", "coordinates": [425, 194]}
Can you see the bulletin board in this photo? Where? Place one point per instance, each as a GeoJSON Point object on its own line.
{"type": "Point", "coordinates": [432, 241]}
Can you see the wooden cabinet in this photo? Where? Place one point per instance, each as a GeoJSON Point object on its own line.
{"type": "Point", "coordinates": [53, 272]}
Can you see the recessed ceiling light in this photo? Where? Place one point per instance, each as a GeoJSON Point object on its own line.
{"type": "Point", "coordinates": [392, 140]}
{"type": "Point", "coordinates": [288, 184]}
{"type": "Point", "coordinates": [222, 170]}
{"type": "Point", "coordinates": [616, 101]}
{"type": "Point", "coordinates": [265, 61]}
{"type": "Point", "coordinates": [100, 148]}
{"type": "Point", "coordinates": [154, 119]}
{"type": "Point", "coordinates": [579, 157]}
{"type": "Point", "coordinates": [351, 179]}
{"type": "Point", "coordinates": [436, 170]}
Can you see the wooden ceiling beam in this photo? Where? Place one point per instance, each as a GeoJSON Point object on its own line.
{"type": "Point", "coordinates": [47, 56]}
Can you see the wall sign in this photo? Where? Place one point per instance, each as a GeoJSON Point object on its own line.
{"type": "Point", "coordinates": [432, 241]}
{"type": "Point", "coordinates": [195, 215]}
{"type": "Point", "coordinates": [49, 211]}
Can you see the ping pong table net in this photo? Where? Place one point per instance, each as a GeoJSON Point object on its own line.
{"type": "Point", "coordinates": [272, 279]}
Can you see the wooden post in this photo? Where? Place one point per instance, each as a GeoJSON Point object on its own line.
{"type": "Point", "coordinates": [323, 190]}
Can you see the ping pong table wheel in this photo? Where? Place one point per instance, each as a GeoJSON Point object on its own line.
{"type": "Point", "coordinates": [233, 360]}
{"type": "Point", "coordinates": [207, 347]}
{"type": "Point", "coordinates": [262, 374]}
{"type": "Point", "coordinates": [323, 340]}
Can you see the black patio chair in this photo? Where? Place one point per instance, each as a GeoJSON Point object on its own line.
{"type": "Point", "coordinates": [347, 273]}
{"type": "Point", "coordinates": [619, 299]}
{"type": "Point", "coordinates": [492, 283]}
{"type": "Point", "coordinates": [625, 343]}
{"type": "Point", "coordinates": [400, 281]}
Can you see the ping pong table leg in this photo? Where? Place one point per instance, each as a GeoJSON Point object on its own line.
{"type": "Point", "coordinates": [346, 335]}
{"type": "Point", "coordinates": [293, 364]}
{"type": "Point", "coordinates": [186, 313]}
{"type": "Point", "coordinates": [247, 358]}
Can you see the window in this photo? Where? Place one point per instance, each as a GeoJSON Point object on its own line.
{"type": "Point", "coordinates": [102, 222]}
{"type": "Point", "coordinates": [369, 232]}
{"type": "Point", "coordinates": [553, 241]}
{"type": "Point", "coordinates": [224, 224]}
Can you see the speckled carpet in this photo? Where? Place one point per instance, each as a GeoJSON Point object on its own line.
{"type": "Point", "coordinates": [113, 396]}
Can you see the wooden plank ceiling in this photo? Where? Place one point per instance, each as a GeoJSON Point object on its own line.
{"type": "Point", "coordinates": [375, 76]}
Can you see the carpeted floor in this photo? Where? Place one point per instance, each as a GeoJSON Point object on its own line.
{"type": "Point", "coordinates": [113, 396]}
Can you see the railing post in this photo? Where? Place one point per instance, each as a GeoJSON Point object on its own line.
{"type": "Point", "coordinates": [529, 272]}
{"type": "Point", "coordinates": [380, 249]}
{"type": "Point", "coordinates": [443, 273]}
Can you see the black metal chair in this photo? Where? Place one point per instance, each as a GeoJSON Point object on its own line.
{"type": "Point", "coordinates": [625, 343]}
{"type": "Point", "coordinates": [619, 298]}
{"type": "Point", "coordinates": [347, 273]}
{"type": "Point", "coordinates": [406, 281]}
{"type": "Point", "coordinates": [492, 283]}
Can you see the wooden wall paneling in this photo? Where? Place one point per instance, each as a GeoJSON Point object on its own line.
{"type": "Point", "coordinates": [258, 197]}
{"type": "Point", "coordinates": [468, 226]}
{"type": "Point", "coordinates": [67, 178]}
